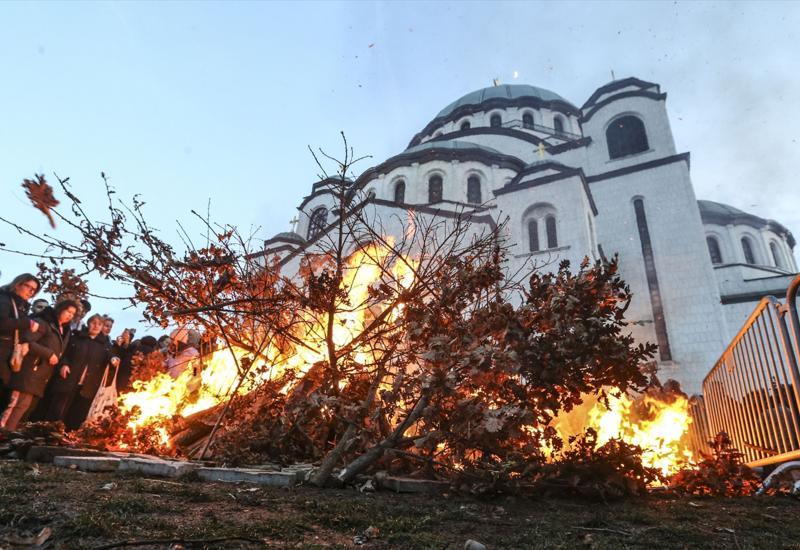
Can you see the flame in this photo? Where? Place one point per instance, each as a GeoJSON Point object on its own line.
{"type": "Point", "coordinates": [208, 381]}
{"type": "Point", "coordinates": [659, 427]}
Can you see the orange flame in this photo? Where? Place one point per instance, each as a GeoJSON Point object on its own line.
{"type": "Point", "coordinates": [208, 381]}
{"type": "Point", "coordinates": [658, 427]}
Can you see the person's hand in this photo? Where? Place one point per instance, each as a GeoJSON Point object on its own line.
{"type": "Point", "coordinates": [64, 371]}
{"type": "Point", "coordinates": [34, 326]}
{"type": "Point", "coordinates": [53, 359]}
{"type": "Point", "coordinates": [115, 361]}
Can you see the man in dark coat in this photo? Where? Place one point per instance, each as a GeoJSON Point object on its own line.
{"type": "Point", "coordinates": [14, 319]}
{"type": "Point", "coordinates": [70, 394]}
{"type": "Point", "coordinates": [45, 348]}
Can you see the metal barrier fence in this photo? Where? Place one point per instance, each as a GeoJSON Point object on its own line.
{"type": "Point", "coordinates": [753, 392]}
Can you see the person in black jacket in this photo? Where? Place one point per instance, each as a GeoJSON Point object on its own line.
{"type": "Point", "coordinates": [124, 349]}
{"type": "Point", "coordinates": [14, 319]}
{"type": "Point", "coordinates": [70, 394]}
{"type": "Point", "coordinates": [45, 348]}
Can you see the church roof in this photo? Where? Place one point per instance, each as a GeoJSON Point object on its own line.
{"type": "Point", "coordinates": [723, 214]}
{"type": "Point", "coordinates": [450, 144]}
{"type": "Point", "coordinates": [711, 207]}
{"type": "Point", "coordinates": [443, 150]}
{"type": "Point", "coordinates": [286, 237]}
{"type": "Point", "coordinates": [505, 91]}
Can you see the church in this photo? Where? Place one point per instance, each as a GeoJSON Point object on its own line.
{"type": "Point", "coordinates": [596, 180]}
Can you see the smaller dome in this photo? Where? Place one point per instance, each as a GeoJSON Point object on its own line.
{"type": "Point", "coordinates": [288, 237]}
{"type": "Point", "coordinates": [723, 214]}
{"type": "Point", "coordinates": [711, 207]}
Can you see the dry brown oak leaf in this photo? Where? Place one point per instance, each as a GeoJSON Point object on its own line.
{"type": "Point", "coordinates": [41, 196]}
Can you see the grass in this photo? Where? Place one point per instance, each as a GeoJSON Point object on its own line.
{"type": "Point", "coordinates": [82, 515]}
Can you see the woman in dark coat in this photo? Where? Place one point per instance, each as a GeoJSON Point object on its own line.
{"type": "Point", "coordinates": [46, 346]}
{"type": "Point", "coordinates": [14, 318]}
{"type": "Point", "coordinates": [70, 394]}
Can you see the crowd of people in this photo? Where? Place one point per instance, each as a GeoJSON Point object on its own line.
{"type": "Point", "coordinates": [53, 364]}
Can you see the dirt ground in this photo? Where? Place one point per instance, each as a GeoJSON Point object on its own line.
{"type": "Point", "coordinates": [83, 511]}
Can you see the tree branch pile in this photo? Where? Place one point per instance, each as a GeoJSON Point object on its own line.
{"type": "Point", "coordinates": [416, 353]}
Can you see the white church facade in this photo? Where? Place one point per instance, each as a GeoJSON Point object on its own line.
{"type": "Point", "coordinates": [596, 180]}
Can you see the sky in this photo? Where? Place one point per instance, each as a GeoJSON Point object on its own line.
{"type": "Point", "coordinates": [189, 103]}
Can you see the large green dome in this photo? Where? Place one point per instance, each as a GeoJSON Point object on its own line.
{"type": "Point", "coordinates": [504, 91]}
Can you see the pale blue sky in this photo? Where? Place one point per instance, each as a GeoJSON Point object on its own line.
{"type": "Point", "coordinates": [183, 102]}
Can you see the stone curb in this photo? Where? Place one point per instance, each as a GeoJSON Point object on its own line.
{"type": "Point", "coordinates": [88, 463]}
{"type": "Point", "coordinates": [156, 467]}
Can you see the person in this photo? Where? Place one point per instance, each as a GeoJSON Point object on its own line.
{"type": "Point", "coordinates": [46, 346]}
{"type": "Point", "coordinates": [164, 343]}
{"type": "Point", "coordinates": [182, 352]}
{"type": "Point", "coordinates": [69, 395]}
{"type": "Point", "coordinates": [38, 306]}
{"type": "Point", "coordinates": [85, 308]}
{"type": "Point", "coordinates": [147, 344]}
{"type": "Point", "coordinates": [124, 349]}
{"type": "Point", "coordinates": [14, 319]}
{"type": "Point", "coordinates": [108, 324]}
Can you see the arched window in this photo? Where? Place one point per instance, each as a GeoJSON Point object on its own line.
{"type": "Point", "coordinates": [319, 220]}
{"type": "Point", "coordinates": [550, 228]}
{"type": "Point", "coordinates": [747, 248]}
{"type": "Point", "coordinates": [465, 125]}
{"type": "Point", "coordinates": [527, 121]}
{"type": "Point", "coordinates": [533, 236]}
{"type": "Point", "coordinates": [626, 136]}
{"type": "Point", "coordinates": [776, 254]}
{"type": "Point", "coordinates": [400, 192]}
{"type": "Point", "coordinates": [558, 125]}
{"type": "Point", "coordinates": [474, 190]}
{"type": "Point", "coordinates": [539, 221]}
{"type": "Point", "coordinates": [713, 250]}
{"type": "Point", "coordinates": [495, 121]}
{"type": "Point", "coordinates": [434, 189]}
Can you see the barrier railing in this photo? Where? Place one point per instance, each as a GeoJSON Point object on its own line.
{"type": "Point", "coordinates": [753, 391]}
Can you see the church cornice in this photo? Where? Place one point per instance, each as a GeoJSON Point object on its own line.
{"type": "Point", "coordinates": [323, 187]}
{"type": "Point", "coordinates": [314, 194]}
{"type": "Point", "coordinates": [619, 85]}
{"type": "Point", "coordinates": [564, 172]}
{"type": "Point", "coordinates": [477, 216]}
{"type": "Point", "coordinates": [568, 146]}
{"type": "Point", "coordinates": [639, 167]}
{"type": "Point", "coordinates": [495, 103]}
{"type": "Point", "coordinates": [631, 93]}
{"type": "Point", "coordinates": [486, 131]}
{"type": "Point", "coordinates": [749, 220]}
{"type": "Point", "coordinates": [752, 296]}
{"type": "Point", "coordinates": [476, 154]}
